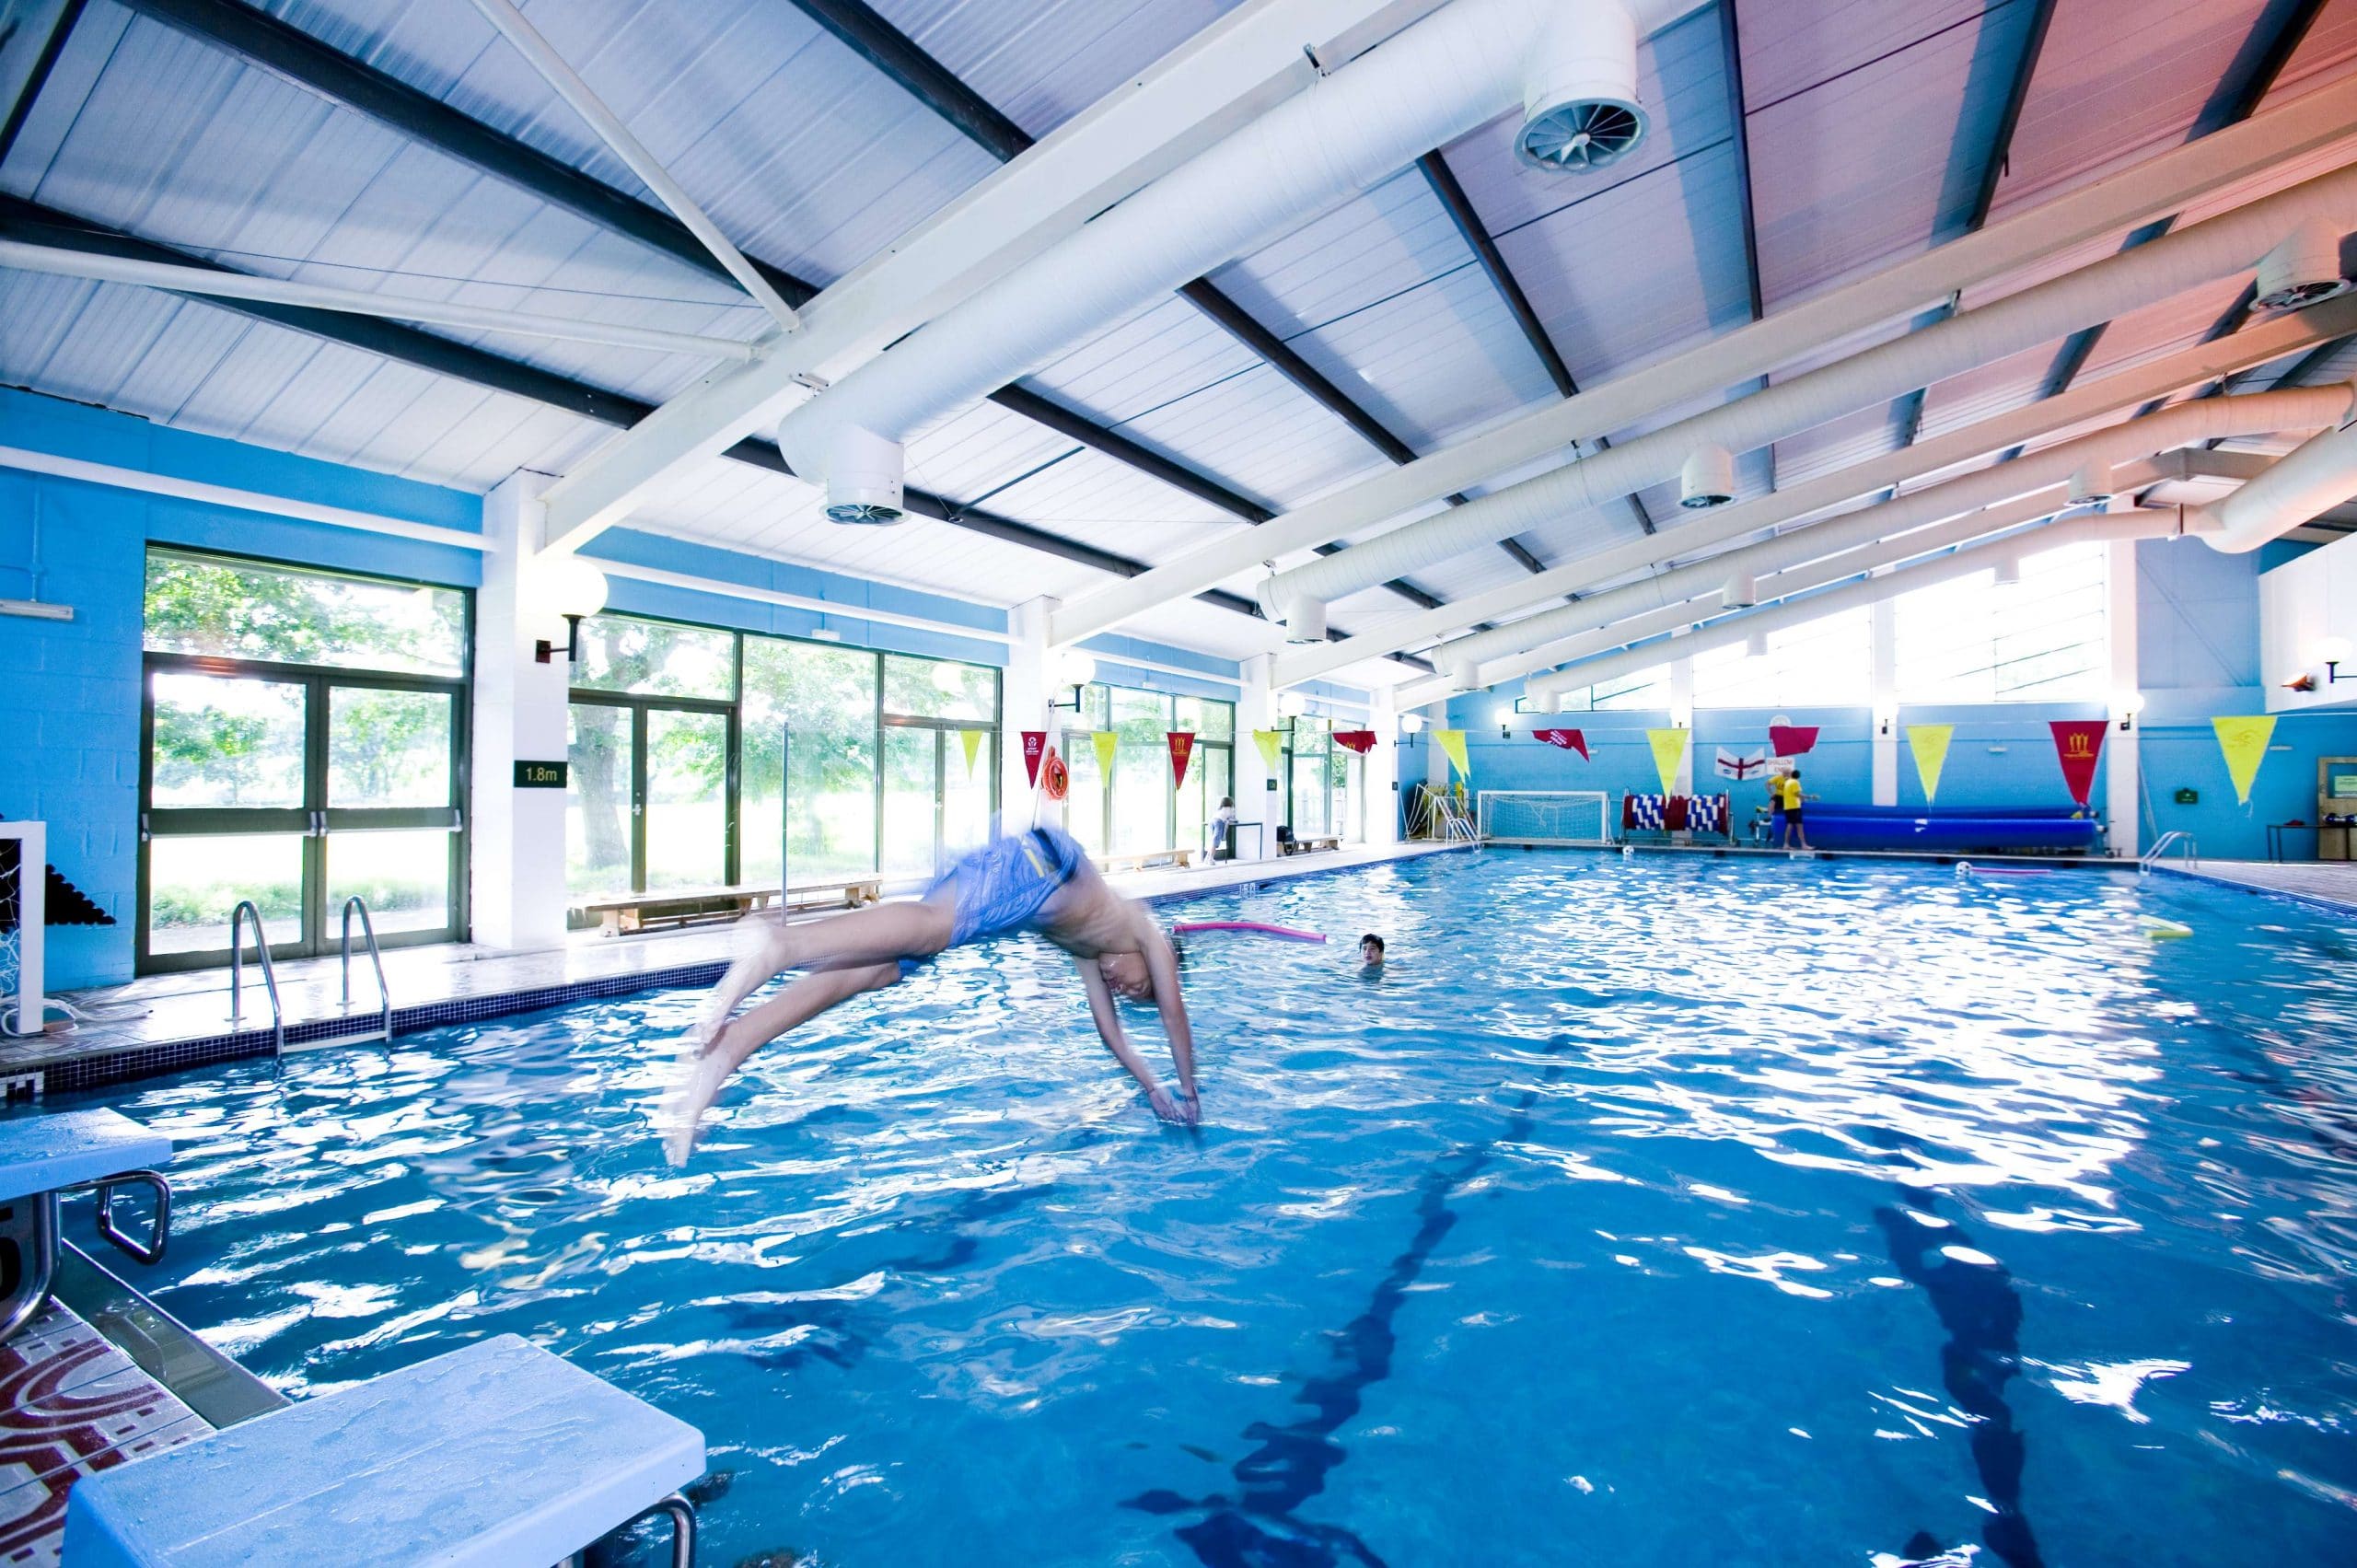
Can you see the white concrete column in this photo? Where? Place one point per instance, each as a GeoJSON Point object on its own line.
{"type": "Point", "coordinates": [2123, 786]}
{"type": "Point", "coordinates": [1381, 769]}
{"type": "Point", "coordinates": [1681, 716]}
{"type": "Point", "coordinates": [1023, 704]}
{"type": "Point", "coordinates": [517, 836]}
{"type": "Point", "coordinates": [1260, 795]}
{"type": "Point", "coordinates": [1883, 718]}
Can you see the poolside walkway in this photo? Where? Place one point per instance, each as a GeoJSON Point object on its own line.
{"type": "Point", "coordinates": [2331, 882]}
{"type": "Point", "coordinates": [166, 1022]}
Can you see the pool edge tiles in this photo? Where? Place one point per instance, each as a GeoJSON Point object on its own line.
{"type": "Point", "coordinates": [71, 1062]}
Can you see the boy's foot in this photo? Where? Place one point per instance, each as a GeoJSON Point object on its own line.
{"type": "Point", "coordinates": [700, 1073]}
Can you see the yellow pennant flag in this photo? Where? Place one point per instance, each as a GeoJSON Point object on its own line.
{"type": "Point", "coordinates": [1270, 741]}
{"type": "Point", "coordinates": [1451, 741]}
{"type": "Point", "coordinates": [1106, 740]}
{"type": "Point", "coordinates": [2243, 740]}
{"type": "Point", "coordinates": [1929, 743]}
{"type": "Point", "coordinates": [971, 739]}
{"type": "Point", "coordinates": [1670, 751]}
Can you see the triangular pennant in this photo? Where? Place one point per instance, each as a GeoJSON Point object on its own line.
{"type": "Point", "coordinates": [2078, 746]}
{"type": "Point", "coordinates": [1569, 739]}
{"type": "Point", "coordinates": [1271, 742]}
{"type": "Point", "coordinates": [2243, 740]}
{"type": "Point", "coordinates": [1182, 747]}
{"type": "Point", "coordinates": [1106, 741]}
{"type": "Point", "coordinates": [1929, 743]}
{"type": "Point", "coordinates": [1035, 747]}
{"type": "Point", "coordinates": [1451, 741]}
{"type": "Point", "coordinates": [1791, 739]}
{"type": "Point", "coordinates": [1359, 740]}
{"type": "Point", "coordinates": [1670, 751]}
{"type": "Point", "coordinates": [971, 739]}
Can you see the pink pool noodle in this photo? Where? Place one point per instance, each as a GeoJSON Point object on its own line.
{"type": "Point", "coordinates": [1252, 926]}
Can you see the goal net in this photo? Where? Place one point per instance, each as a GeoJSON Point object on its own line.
{"type": "Point", "coordinates": [1543, 816]}
{"type": "Point", "coordinates": [24, 860]}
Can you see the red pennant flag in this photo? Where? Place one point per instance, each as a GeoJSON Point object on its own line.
{"type": "Point", "coordinates": [1035, 746]}
{"type": "Point", "coordinates": [1359, 740]}
{"type": "Point", "coordinates": [1791, 739]}
{"type": "Point", "coordinates": [2078, 743]}
{"type": "Point", "coordinates": [1182, 747]}
{"type": "Point", "coordinates": [1569, 739]}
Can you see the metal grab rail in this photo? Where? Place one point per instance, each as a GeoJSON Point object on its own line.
{"type": "Point", "coordinates": [376, 960]}
{"type": "Point", "coordinates": [2190, 855]}
{"type": "Point", "coordinates": [237, 972]}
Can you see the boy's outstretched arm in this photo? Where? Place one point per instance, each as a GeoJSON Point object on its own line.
{"type": "Point", "coordinates": [1162, 964]}
{"type": "Point", "coordinates": [1108, 1028]}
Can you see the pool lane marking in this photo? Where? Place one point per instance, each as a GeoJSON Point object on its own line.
{"type": "Point", "coordinates": [1289, 1467]}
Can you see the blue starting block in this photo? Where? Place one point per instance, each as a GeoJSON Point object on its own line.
{"type": "Point", "coordinates": [497, 1455]}
{"type": "Point", "coordinates": [41, 1157]}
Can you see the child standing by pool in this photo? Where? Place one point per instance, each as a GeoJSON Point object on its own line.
{"type": "Point", "coordinates": [1040, 880]}
{"type": "Point", "coordinates": [1789, 788]}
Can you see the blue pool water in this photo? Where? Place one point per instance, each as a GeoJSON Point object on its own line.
{"type": "Point", "coordinates": [1659, 1212]}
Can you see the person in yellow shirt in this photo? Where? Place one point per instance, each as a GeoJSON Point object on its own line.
{"type": "Point", "coordinates": [1786, 791]}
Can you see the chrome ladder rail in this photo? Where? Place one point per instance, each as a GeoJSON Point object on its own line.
{"type": "Point", "coordinates": [237, 972]}
{"type": "Point", "coordinates": [2190, 853]}
{"type": "Point", "coordinates": [376, 960]}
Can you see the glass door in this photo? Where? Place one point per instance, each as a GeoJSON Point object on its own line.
{"type": "Point", "coordinates": [647, 796]}
{"type": "Point", "coordinates": [936, 809]}
{"type": "Point", "coordinates": [296, 790]}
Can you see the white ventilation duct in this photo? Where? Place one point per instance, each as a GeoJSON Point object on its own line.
{"type": "Point", "coordinates": [1306, 622]}
{"type": "Point", "coordinates": [1872, 590]}
{"type": "Point", "coordinates": [1742, 591]}
{"type": "Point", "coordinates": [1580, 108]}
{"type": "Point", "coordinates": [2321, 472]}
{"type": "Point", "coordinates": [2096, 293]}
{"type": "Point", "coordinates": [1756, 645]}
{"type": "Point", "coordinates": [2255, 344]}
{"type": "Point", "coordinates": [2304, 270]}
{"type": "Point", "coordinates": [2091, 484]}
{"type": "Point", "coordinates": [2033, 474]}
{"type": "Point", "coordinates": [2008, 572]}
{"type": "Point", "coordinates": [863, 478]}
{"type": "Point", "coordinates": [1707, 478]}
{"type": "Point", "coordinates": [1422, 88]}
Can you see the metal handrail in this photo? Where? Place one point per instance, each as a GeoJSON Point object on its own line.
{"type": "Point", "coordinates": [237, 972]}
{"type": "Point", "coordinates": [376, 958]}
{"type": "Point", "coordinates": [2192, 854]}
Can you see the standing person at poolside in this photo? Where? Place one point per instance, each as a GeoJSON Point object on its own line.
{"type": "Point", "coordinates": [1224, 829]}
{"type": "Point", "coordinates": [1041, 880]}
{"type": "Point", "coordinates": [1790, 786]}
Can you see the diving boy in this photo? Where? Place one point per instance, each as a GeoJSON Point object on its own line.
{"type": "Point", "coordinates": [1039, 879]}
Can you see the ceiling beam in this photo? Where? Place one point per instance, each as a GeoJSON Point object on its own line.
{"type": "Point", "coordinates": [1739, 142]}
{"type": "Point", "coordinates": [2248, 79]}
{"type": "Point", "coordinates": [289, 53]}
{"type": "Point", "coordinates": [1909, 412]}
{"type": "Point", "coordinates": [37, 48]}
{"type": "Point", "coordinates": [1476, 235]}
{"type": "Point", "coordinates": [893, 53]}
{"type": "Point", "coordinates": [32, 224]}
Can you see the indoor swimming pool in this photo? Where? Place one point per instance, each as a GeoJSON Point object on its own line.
{"type": "Point", "coordinates": [1662, 1211]}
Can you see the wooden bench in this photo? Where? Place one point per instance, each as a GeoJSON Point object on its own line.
{"type": "Point", "coordinates": [1148, 861]}
{"type": "Point", "coordinates": [490, 1457]}
{"type": "Point", "coordinates": [1314, 842]}
{"type": "Point", "coordinates": [66, 1151]}
{"type": "Point", "coordinates": [626, 912]}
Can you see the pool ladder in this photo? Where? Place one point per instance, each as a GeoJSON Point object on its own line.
{"type": "Point", "coordinates": [2190, 853]}
{"type": "Point", "coordinates": [237, 973]}
{"type": "Point", "coordinates": [384, 1031]}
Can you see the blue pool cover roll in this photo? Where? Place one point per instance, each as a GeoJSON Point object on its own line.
{"type": "Point", "coordinates": [1842, 827]}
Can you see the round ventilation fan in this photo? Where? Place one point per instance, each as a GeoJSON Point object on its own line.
{"type": "Point", "coordinates": [1580, 135]}
{"type": "Point", "coordinates": [864, 514]}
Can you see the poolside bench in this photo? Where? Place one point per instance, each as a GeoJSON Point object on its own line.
{"type": "Point", "coordinates": [1149, 860]}
{"type": "Point", "coordinates": [41, 1157]}
{"type": "Point", "coordinates": [1312, 844]}
{"type": "Point", "coordinates": [497, 1456]}
{"type": "Point", "coordinates": [624, 912]}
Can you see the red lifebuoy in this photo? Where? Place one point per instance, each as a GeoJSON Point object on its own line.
{"type": "Point", "coordinates": [1054, 777]}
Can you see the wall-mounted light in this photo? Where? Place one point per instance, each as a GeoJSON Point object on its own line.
{"type": "Point", "coordinates": [1075, 668]}
{"type": "Point", "coordinates": [569, 587]}
{"type": "Point", "coordinates": [1503, 714]}
{"type": "Point", "coordinates": [2332, 652]}
{"type": "Point", "coordinates": [2125, 707]}
{"type": "Point", "coordinates": [1411, 723]}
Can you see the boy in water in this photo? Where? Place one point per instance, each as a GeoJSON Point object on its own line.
{"type": "Point", "coordinates": [1040, 880]}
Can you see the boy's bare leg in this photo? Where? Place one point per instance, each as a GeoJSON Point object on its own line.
{"type": "Point", "coordinates": [880, 933]}
{"type": "Point", "coordinates": [707, 1069]}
